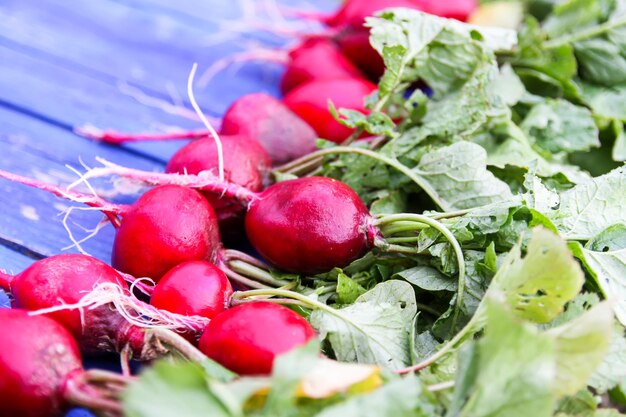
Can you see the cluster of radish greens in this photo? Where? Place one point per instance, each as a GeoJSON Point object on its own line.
{"type": "Point", "coordinates": [455, 245]}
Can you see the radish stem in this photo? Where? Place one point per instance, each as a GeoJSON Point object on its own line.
{"type": "Point", "coordinates": [385, 220]}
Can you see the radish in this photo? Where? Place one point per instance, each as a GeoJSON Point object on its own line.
{"type": "Point", "coordinates": [168, 225]}
{"type": "Point", "coordinates": [316, 59]}
{"type": "Point", "coordinates": [310, 101]}
{"type": "Point", "coordinates": [41, 370]}
{"type": "Point", "coordinates": [196, 288]}
{"type": "Point", "coordinates": [247, 338]}
{"type": "Point", "coordinates": [282, 133]}
{"type": "Point", "coordinates": [312, 224]}
{"type": "Point", "coordinates": [301, 61]}
{"type": "Point", "coordinates": [355, 45]}
{"type": "Point", "coordinates": [245, 163]}
{"type": "Point", "coordinates": [258, 116]}
{"type": "Point", "coordinates": [58, 287]}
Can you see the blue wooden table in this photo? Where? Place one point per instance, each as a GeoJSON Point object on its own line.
{"type": "Point", "coordinates": [114, 64]}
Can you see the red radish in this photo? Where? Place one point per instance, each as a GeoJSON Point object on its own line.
{"type": "Point", "coordinates": [310, 101]}
{"type": "Point", "coordinates": [196, 288]}
{"type": "Point", "coordinates": [166, 226]}
{"type": "Point", "coordinates": [355, 45]}
{"type": "Point", "coordinates": [283, 134]}
{"type": "Point", "coordinates": [247, 338]}
{"type": "Point", "coordinates": [260, 117]}
{"type": "Point", "coordinates": [352, 13]}
{"type": "Point", "coordinates": [41, 370]}
{"type": "Point", "coordinates": [316, 59]}
{"type": "Point", "coordinates": [66, 280]}
{"type": "Point", "coordinates": [309, 225]}
{"type": "Point", "coordinates": [312, 224]}
{"type": "Point", "coordinates": [245, 163]}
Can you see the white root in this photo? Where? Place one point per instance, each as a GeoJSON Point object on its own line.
{"type": "Point", "coordinates": [216, 137]}
{"type": "Point", "coordinates": [134, 311]}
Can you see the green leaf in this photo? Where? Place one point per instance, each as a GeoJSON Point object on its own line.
{"type": "Point", "coordinates": [612, 238]}
{"type": "Point", "coordinates": [373, 330]}
{"type": "Point", "coordinates": [556, 66]}
{"type": "Point", "coordinates": [511, 373]}
{"type": "Point", "coordinates": [591, 207]}
{"type": "Point", "coordinates": [581, 345]}
{"type": "Point", "coordinates": [287, 372]}
{"type": "Point", "coordinates": [459, 175]}
{"type": "Point", "coordinates": [443, 52]}
{"type": "Point", "coordinates": [601, 62]}
{"type": "Point", "coordinates": [583, 404]}
{"type": "Point", "coordinates": [612, 371]}
{"type": "Point", "coordinates": [428, 279]}
{"type": "Point", "coordinates": [539, 285]}
{"type": "Point", "coordinates": [608, 270]}
{"type": "Point", "coordinates": [571, 15]}
{"type": "Point", "coordinates": [508, 86]}
{"type": "Point", "coordinates": [174, 389]}
{"type": "Point", "coordinates": [400, 397]}
{"type": "Point", "coordinates": [559, 126]}
{"type": "Point", "coordinates": [606, 102]}
{"type": "Point", "coordinates": [348, 290]}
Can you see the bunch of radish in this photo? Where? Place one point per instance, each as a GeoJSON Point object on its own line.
{"type": "Point", "coordinates": [217, 186]}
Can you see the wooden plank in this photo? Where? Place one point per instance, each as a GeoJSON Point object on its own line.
{"type": "Point", "coordinates": [94, 38]}
{"type": "Point", "coordinates": [36, 149]}
{"type": "Point", "coordinates": [13, 260]}
{"type": "Point", "coordinates": [66, 98]}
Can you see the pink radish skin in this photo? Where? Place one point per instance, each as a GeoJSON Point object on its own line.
{"type": "Point", "coordinates": [245, 163]}
{"type": "Point", "coordinates": [196, 288]}
{"type": "Point", "coordinates": [283, 134]}
{"type": "Point", "coordinates": [247, 338]}
{"type": "Point", "coordinates": [166, 226]}
{"type": "Point", "coordinates": [309, 225]}
{"type": "Point", "coordinates": [41, 369]}
{"type": "Point", "coordinates": [310, 102]}
{"type": "Point", "coordinates": [316, 59]}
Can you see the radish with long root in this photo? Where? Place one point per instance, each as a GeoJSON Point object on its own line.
{"type": "Point", "coordinates": [245, 163]}
{"type": "Point", "coordinates": [259, 116]}
{"type": "Point", "coordinates": [310, 225]}
{"type": "Point", "coordinates": [41, 372]}
{"type": "Point", "coordinates": [92, 301]}
{"type": "Point", "coordinates": [169, 225]}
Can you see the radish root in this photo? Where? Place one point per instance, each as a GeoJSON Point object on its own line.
{"type": "Point", "coordinates": [135, 311]}
{"type": "Point", "coordinates": [216, 137]}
